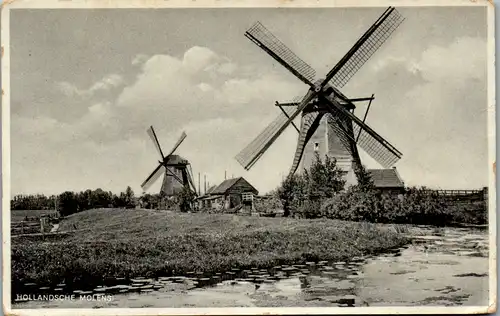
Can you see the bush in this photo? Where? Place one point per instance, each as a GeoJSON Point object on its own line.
{"type": "Point", "coordinates": [308, 209]}
{"type": "Point", "coordinates": [354, 205]}
{"type": "Point", "coordinates": [185, 199]}
{"type": "Point", "coordinates": [322, 180]}
{"type": "Point", "coordinates": [267, 204]}
{"type": "Point", "coordinates": [68, 203]}
{"type": "Point", "coordinates": [415, 206]}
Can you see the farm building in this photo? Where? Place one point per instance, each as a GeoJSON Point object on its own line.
{"type": "Point", "coordinates": [231, 193]}
{"type": "Point", "coordinates": [387, 180]}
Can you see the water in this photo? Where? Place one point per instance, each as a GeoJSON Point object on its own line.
{"type": "Point", "coordinates": [443, 267]}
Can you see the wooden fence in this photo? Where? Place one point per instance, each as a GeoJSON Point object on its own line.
{"type": "Point", "coordinates": [41, 225]}
{"type": "Point", "coordinates": [463, 195]}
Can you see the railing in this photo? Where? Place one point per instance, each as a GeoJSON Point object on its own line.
{"type": "Point", "coordinates": [457, 192]}
{"type": "Point", "coordinates": [469, 195]}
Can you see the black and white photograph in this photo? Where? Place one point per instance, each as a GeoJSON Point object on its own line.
{"type": "Point", "coordinates": [190, 157]}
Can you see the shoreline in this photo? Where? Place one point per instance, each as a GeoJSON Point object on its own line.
{"type": "Point", "coordinates": [160, 244]}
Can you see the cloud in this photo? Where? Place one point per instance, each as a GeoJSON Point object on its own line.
{"type": "Point", "coordinates": [108, 82]}
{"type": "Point", "coordinates": [227, 68]}
{"type": "Point", "coordinates": [139, 59]}
{"type": "Point", "coordinates": [428, 107]}
{"type": "Point", "coordinates": [221, 114]}
{"type": "Point", "coordinates": [68, 89]}
{"type": "Point", "coordinates": [433, 109]}
{"type": "Point", "coordinates": [105, 84]}
{"type": "Point", "coordinates": [168, 92]}
{"type": "Point", "coordinates": [199, 59]}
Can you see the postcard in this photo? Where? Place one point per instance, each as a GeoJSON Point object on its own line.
{"type": "Point", "coordinates": [248, 157]}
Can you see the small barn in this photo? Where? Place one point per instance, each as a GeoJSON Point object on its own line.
{"type": "Point", "coordinates": [387, 180]}
{"type": "Point", "coordinates": [231, 193]}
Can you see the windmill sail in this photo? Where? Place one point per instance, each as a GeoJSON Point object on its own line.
{"type": "Point", "coordinates": [364, 48]}
{"type": "Point", "coordinates": [281, 53]}
{"type": "Point", "coordinates": [344, 122]}
{"type": "Point", "coordinates": [179, 142]}
{"type": "Point", "coordinates": [371, 142]}
{"type": "Point", "coordinates": [250, 154]}
{"type": "Point", "coordinates": [308, 126]}
{"type": "Point", "coordinates": [190, 178]}
{"type": "Point", "coordinates": [153, 177]}
{"type": "Point", "coordinates": [172, 166]}
{"type": "Point", "coordinates": [152, 135]}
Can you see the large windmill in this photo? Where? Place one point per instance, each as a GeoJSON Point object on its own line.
{"type": "Point", "coordinates": [176, 169]}
{"type": "Point", "coordinates": [327, 114]}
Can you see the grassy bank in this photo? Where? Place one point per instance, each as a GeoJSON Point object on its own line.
{"type": "Point", "coordinates": [130, 243]}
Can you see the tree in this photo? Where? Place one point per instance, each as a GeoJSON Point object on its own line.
{"type": "Point", "coordinates": [365, 181]}
{"type": "Point", "coordinates": [128, 198]}
{"type": "Point", "coordinates": [100, 199]}
{"type": "Point", "coordinates": [291, 192]}
{"type": "Point", "coordinates": [149, 201]}
{"type": "Point", "coordinates": [324, 179]}
{"type": "Point", "coordinates": [68, 203]}
{"type": "Point", "coordinates": [185, 198]}
{"type": "Point", "coordinates": [86, 199]}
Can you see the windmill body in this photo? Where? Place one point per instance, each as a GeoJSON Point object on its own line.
{"type": "Point", "coordinates": [328, 124]}
{"type": "Point", "coordinates": [326, 142]}
{"type": "Point", "coordinates": [176, 170]}
{"type": "Point", "coordinates": [326, 135]}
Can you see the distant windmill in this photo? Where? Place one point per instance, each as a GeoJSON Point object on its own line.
{"type": "Point", "coordinates": [176, 169]}
{"type": "Point", "coordinates": [324, 105]}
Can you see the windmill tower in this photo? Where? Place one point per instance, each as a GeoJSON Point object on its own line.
{"type": "Point", "coordinates": [176, 170]}
{"type": "Point", "coordinates": [328, 124]}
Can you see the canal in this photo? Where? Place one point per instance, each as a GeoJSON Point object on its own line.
{"type": "Point", "coordinates": [440, 267]}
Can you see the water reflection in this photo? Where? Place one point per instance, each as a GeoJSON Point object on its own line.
{"type": "Point", "coordinates": [445, 267]}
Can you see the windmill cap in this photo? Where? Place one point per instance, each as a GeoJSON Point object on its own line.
{"type": "Point", "coordinates": [176, 159]}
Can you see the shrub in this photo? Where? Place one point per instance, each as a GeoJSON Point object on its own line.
{"type": "Point", "coordinates": [291, 192]}
{"type": "Point", "coordinates": [323, 179]}
{"type": "Point", "coordinates": [68, 203]}
{"type": "Point", "coordinates": [302, 194]}
{"type": "Point", "coordinates": [416, 206]}
{"type": "Point", "coordinates": [268, 204]}
{"type": "Point", "coordinates": [185, 198]}
{"type": "Point", "coordinates": [308, 209]}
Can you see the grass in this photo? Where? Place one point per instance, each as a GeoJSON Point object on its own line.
{"type": "Point", "coordinates": [111, 243]}
{"type": "Point", "coordinates": [20, 215]}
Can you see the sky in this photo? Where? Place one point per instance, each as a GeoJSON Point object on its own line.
{"type": "Point", "coordinates": [86, 84]}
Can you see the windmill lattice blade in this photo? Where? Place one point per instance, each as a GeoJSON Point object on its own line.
{"type": "Point", "coordinates": [308, 125]}
{"type": "Point", "coordinates": [281, 53]}
{"type": "Point", "coordinates": [342, 133]}
{"type": "Point", "coordinates": [152, 177]}
{"type": "Point", "coordinates": [375, 149]}
{"type": "Point", "coordinates": [153, 137]}
{"type": "Point", "coordinates": [190, 178]}
{"type": "Point", "coordinates": [371, 142]}
{"type": "Point", "coordinates": [181, 139]}
{"type": "Point", "coordinates": [250, 154]}
{"type": "Point", "coordinates": [366, 46]}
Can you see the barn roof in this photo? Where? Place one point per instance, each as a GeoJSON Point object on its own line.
{"type": "Point", "coordinates": [386, 178]}
{"type": "Point", "coordinates": [207, 193]}
{"type": "Point", "coordinates": [227, 184]}
{"type": "Point", "coordinates": [209, 190]}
